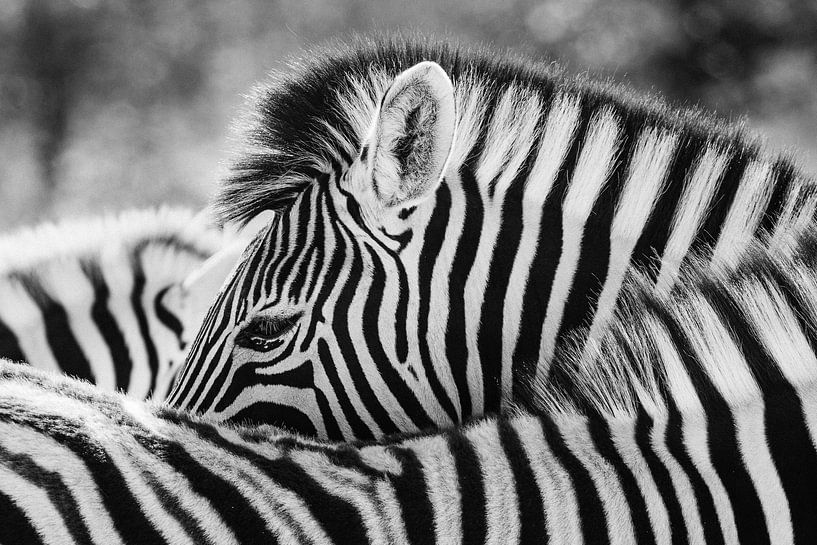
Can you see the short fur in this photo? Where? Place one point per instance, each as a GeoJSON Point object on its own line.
{"type": "Point", "coordinates": [648, 444]}
{"type": "Point", "coordinates": [67, 294]}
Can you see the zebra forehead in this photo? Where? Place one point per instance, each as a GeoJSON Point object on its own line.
{"type": "Point", "coordinates": [314, 114]}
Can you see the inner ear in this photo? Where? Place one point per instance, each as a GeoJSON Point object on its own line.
{"type": "Point", "coordinates": [412, 136]}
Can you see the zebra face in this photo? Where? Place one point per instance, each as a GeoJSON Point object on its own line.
{"type": "Point", "coordinates": [313, 330]}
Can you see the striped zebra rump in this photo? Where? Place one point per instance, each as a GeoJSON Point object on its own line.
{"type": "Point", "coordinates": [442, 204]}
{"type": "Point", "coordinates": [101, 299]}
{"type": "Point", "coordinates": [689, 420]}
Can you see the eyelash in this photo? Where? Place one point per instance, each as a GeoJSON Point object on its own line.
{"type": "Point", "coordinates": [263, 332]}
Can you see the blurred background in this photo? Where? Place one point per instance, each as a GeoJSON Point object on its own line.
{"type": "Point", "coordinates": [106, 104]}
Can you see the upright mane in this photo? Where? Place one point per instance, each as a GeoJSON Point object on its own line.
{"type": "Point", "coordinates": [314, 115]}
{"type": "Point", "coordinates": [727, 332]}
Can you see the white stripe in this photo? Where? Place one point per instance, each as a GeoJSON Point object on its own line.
{"type": "Point", "coordinates": [118, 274]}
{"type": "Point", "coordinates": [558, 133]}
{"type": "Point", "coordinates": [52, 456]}
{"type": "Point", "coordinates": [558, 496]}
{"type": "Point", "coordinates": [623, 436]}
{"type": "Point", "coordinates": [726, 367]}
{"type": "Point", "coordinates": [509, 138]}
{"type": "Point", "coordinates": [70, 287]}
{"type": "Point", "coordinates": [798, 211]}
{"type": "Point", "coordinates": [680, 481]}
{"type": "Point", "coordinates": [574, 430]}
{"type": "Point", "coordinates": [694, 204]}
{"type": "Point", "coordinates": [347, 484]}
{"type": "Point", "coordinates": [439, 303]}
{"type": "Point", "coordinates": [37, 506]}
{"type": "Point", "coordinates": [645, 180]}
{"type": "Point", "coordinates": [694, 427]}
{"type": "Point", "coordinates": [775, 324]}
{"type": "Point", "coordinates": [440, 471]}
{"type": "Point", "coordinates": [592, 171]}
{"type": "Point", "coordinates": [22, 315]}
{"type": "Point", "coordinates": [745, 213]}
{"type": "Point", "coordinates": [501, 501]}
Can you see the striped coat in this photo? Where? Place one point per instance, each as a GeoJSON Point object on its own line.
{"type": "Point", "coordinates": [692, 420]}
{"type": "Point", "coordinates": [476, 209]}
{"type": "Point", "coordinates": [101, 299]}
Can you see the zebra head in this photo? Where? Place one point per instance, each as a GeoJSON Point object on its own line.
{"type": "Point", "coordinates": [442, 229]}
{"type": "Point", "coordinates": [314, 328]}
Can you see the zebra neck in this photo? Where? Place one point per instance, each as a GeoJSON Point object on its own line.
{"type": "Point", "coordinates": [533, 232]}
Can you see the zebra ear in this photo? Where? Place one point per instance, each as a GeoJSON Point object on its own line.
{"type": "Point", "coordinates": [409, 143]}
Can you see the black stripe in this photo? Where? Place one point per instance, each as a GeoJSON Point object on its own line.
{"type": "Point", "coordinates": [139, 282]}
{"type": "Point", "coordinates": [318, 242]}
{"type": "Point", "coordinates": [412, 495]}
{"type": "Point", "coordinates": [656, 233]}
{"type": "Point", "coordinates": [602, 437]}
{"type": "Point", "coordinates": [313, 245]}
{"type": "Point", "coordinates": [456, 350]}
{"type": "Point", "coordinates": [106, 322]}
{"type": "Point", "coordinates": [242, 518]}
{"type": "Point", "coordinates": [661, 477]}
{"type": "Point", "coordinates": [401, 312]}
{"type": "Point", "coordinates": [591, 509]}
{"type": "Point", "coordinates": [472, 488]}
{"type": "Point", "coordinates": [52, 484]}
{"type": "Point", "coordinates": [296, 250]}
{"type": "Point", "coordinates": [492, 313]}
{"type": "Point", "coordinates": [432, 238]}
{"type": "Point", "coordinates": [404, 393]}
{"type": "Point", "coordinates": [61, 340]}
{"type": "Point", "coordinates": [9, 346]}
{"type": "Point", "coordinates": [713, 534]}
{"type": "Point", "coordinates": [341, 327]}
{"type": "Point", "coordinates": [539, 284]}
{"type": "Point", "coordinates": [787, 432]}
{"type": "Point", "coordinates": [359, 429]}
{"type": "Point", "coordinates": [278, 252]}
{"type": "Point", "coordinates": [594, 258]}
{"type": "Point", "coordinates": [171, 504]}
{"type": "Point", "coordinates": [123, 507]}
{"type": "Point", "coordinates": [783, 178]}
{"type": "Point", "coordinates": [337, 517]}
{"type": "Point", "coordinates": [15, 528]}
{"type": "Point", "coordinates": [533, 527]}
{"type": "Point", "coordinates": [722, 433]}
{"type": "Point", "coordinates": [722, 202]}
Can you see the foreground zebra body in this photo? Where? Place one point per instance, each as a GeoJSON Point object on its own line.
{"type": "Point", "coordinates": [473, 211]}
{"type": "Point", "coordinates": [692, 420]}
{"type": "Point", "coordinates": [102, 299]}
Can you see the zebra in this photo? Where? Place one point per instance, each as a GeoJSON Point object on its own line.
{"type": "Point", "coordinates": [104, 298]}
{"type": "Point", "coordinates": [442, 204]}
{"type": "Point", "coordinates": [691, 419]}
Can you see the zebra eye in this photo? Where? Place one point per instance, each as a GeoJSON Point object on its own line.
{"type": "Point", "coordinates": [264, 333]}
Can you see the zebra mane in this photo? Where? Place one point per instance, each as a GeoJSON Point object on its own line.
{"type": "Point", "coordinates": [729, 331]}
{"type": "Point", "coordinates": [314, 116]}
{"type": "Point", "coordinates": [167, 230]}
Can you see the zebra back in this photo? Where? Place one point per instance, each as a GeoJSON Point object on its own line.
{"type": "Point", "coordinates": [101, 298]}
{"type": "Point", "coordinates": [692, 420]}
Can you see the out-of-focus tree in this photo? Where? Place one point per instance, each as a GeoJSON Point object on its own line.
{"type": "Point", "coordinates": [108, 103]}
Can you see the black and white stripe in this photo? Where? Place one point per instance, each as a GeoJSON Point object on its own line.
{"type": "Point", "coordinates": [691, 420]}
{"type": "Point", "coordinates": [344, 315]}
{"type": "Point", "coordinates": [101, 299]}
